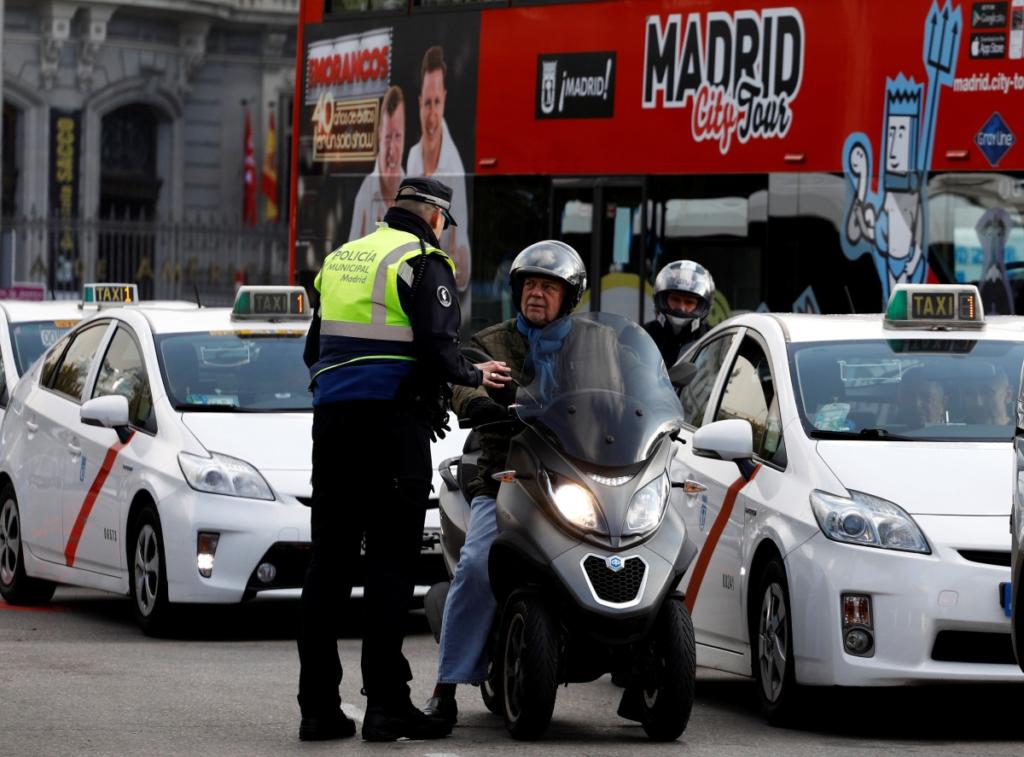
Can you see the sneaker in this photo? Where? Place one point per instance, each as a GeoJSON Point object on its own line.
{"type": "Point", "coordinates": [382, 723]}
{"type": "Point", "coordinates": [336, 725]}
{"type": "Point", "coordinates": [442, 708]}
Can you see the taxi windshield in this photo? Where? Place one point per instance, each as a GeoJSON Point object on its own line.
{"type": "Point", "coordinates": [235, 371]}
{"type": "Point", "coordinates": [907, 389]}
{"type": "Point", "coordinates": [32, 339]}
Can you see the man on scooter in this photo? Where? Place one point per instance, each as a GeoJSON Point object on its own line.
{"type": "Point", "coordinates": [547, 280]}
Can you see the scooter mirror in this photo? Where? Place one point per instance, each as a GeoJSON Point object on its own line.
{"type": "Point", "coordinates": [682, 373]}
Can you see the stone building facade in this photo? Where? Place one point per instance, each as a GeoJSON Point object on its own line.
{"type": "Point", "coordinates": [123, 140]}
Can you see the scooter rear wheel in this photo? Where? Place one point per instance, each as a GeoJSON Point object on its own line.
{"type": "Point", "coordinates": [530, 661]}
{"type": "Point", "coordinates": [668, 688]}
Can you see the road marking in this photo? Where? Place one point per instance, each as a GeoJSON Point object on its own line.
{"type": "Point", "coordinates": [25, 608]}
{"type": "Point", "coordinates": [693, 588]}
{"type": "Point", "coordinates": [90, 500]}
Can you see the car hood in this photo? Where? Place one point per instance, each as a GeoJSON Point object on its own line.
{"type": "Point", "coordinates": [268, 441]}
{"type": "Point", "coordinates": [927, 478]}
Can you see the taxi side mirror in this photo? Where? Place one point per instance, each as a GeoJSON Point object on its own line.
{"type": "Point", "coordinates": [727, 440]}
{"type": "Point", "coordinates": [110, 411]}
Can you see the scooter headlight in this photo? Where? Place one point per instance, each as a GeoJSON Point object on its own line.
{"type": "Point", "coordinates": [576, 505]}
{"type": "Point", "coordinates": [647, 507]}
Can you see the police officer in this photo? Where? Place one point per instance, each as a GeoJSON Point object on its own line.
{"type": "Point", "coordinates": [380, 349]}
{"type": "Point", "coordinates": [683, 293]}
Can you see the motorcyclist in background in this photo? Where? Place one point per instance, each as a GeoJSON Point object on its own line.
{"type": "Point", "coordinates": [683, 293]}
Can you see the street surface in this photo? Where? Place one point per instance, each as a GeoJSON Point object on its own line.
{"type": "Point", "coordinates": [78, 678]}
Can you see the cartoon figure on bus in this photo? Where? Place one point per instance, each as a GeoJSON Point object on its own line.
{"type": "Point", "coordinates": [890, 221]}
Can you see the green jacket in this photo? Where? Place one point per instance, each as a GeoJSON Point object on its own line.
{"type": "Point", "coordinates": [502, 342]}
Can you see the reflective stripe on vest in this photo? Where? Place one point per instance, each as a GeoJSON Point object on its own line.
{"type": "Point", "coordinates": [359, 298]}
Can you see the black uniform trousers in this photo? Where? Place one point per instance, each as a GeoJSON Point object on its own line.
{"type": "Point", "coordinates": [371, 476]}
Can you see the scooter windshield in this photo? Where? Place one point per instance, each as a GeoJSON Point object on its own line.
{"type": "Point", "coordinates": [599, 389]}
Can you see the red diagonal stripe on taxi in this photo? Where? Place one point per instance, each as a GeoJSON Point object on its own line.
{"type": "Point", "coordinates": [693, 588]}
{"type": "Point", "coordinates": [90, 500]}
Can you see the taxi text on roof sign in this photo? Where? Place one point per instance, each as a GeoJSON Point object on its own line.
{"type": "Point", "coordinates": [271, 303]}
{"type": "Point", "coordinates": [110, 294]}
{"type": "Point", "coordinates": [943, 306]}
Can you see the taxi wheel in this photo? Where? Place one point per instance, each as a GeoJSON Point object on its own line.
{"type": "Point", "coordinates": [771, 634]}
{"type": "Point", "coordinates": [16, 587]}
{"type": "Point", "coordinates": [148, 579]}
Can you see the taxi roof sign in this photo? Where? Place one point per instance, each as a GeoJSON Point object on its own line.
{"type": "Point", "coordinates": [935, 306]}
{"type": "Point", "coordinates": [110, 295]}
{"type": "Point", "coordinates": [271, 303]}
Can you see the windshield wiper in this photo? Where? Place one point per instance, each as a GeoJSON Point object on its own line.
{"type": "Point", "coordinates": [198, 407]}
{"type": "Point", "coordinates": [864, 433]}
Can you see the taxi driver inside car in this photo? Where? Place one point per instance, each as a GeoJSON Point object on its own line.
{"type": "Point", "coordinates": [914, 407]}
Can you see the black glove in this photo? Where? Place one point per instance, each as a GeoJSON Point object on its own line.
{"type": "Point", "coordinates": [485, 410]}
{"type": "Point", "coordinates": [437, 412]}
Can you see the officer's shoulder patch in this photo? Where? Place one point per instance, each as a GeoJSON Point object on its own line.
{"type": "Point", "coordinates": [444, 296]}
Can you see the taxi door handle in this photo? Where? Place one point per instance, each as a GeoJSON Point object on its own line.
{"type": "Point", "coordinates": [32, 427]}
{"type": "Point", "coordinates": [75, 449]}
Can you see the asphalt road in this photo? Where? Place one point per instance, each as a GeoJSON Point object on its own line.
{"type": "Point", "coordinates": [78, 678]}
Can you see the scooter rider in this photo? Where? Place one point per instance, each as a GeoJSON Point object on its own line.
{"type": "Point", "coordinates": [683, 293]}
{"type": "Point", "coordinates": [547, 281]}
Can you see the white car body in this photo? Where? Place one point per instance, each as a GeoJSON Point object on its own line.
{"type": "Point", "coordinates": [53, 459]}
{"type": "Point", "coordinates": [954, 491]}
{"type": "Point", "coordinates": [55, 318]}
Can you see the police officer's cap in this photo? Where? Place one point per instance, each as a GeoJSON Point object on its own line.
{"type": "Point", "coordinates": [429, 191]}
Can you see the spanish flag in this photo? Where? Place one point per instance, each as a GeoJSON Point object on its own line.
{"type": "Point", "coordinates": [270, 172]}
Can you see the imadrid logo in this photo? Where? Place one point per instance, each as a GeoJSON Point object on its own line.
{"type": "Point", "coordinates": [576, 85]}
{"type": "Point", "coordinates": [739, 73]}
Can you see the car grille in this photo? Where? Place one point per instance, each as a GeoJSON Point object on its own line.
{"type": "Point", "coordinates": [1002, 559]}
{"type": "Point", "coordinates": [973, 646]}
{"type": "Point", "coordinates": [617, 587]}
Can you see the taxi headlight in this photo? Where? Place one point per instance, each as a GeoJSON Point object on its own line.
{"type": "Point", "coordinates": [648, 506]}
{"type": "Point", "coordinates": [221, 474]}
{"type": "Point", "coordinates": [868, 521]}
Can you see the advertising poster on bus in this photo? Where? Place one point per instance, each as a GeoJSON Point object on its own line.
{"type": "Point", "coordinates": [384, 99]}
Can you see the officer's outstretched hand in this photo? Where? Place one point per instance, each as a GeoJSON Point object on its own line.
{"type": "Point", "coordinates": [496, 374]}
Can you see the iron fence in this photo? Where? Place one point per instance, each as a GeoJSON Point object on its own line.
{"type": "Point", "coordinates": [203, 255]}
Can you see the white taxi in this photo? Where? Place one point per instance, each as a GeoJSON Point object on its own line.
{"type": "Point", "coordinates": [165, 454]}
{"type": "Point", "coordinates": [27, 329]}
{"type": "Point", "coordinates": [844, 478]}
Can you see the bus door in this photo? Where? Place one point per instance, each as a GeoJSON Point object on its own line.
{"type": "Point", "coordinates": [603, 220]}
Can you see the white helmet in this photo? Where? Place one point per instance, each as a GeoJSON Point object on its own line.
{"type": "Point", "coordinates": [685, 277]}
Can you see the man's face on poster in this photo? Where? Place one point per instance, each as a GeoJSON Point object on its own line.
{"type": "Point", "coordinates": [432, 96]}
{"type": "Point", "coordinates": [392, 142]}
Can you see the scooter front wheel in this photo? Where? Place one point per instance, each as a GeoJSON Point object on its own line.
{"type": "Point", "coordinates": [530, 661]}
{"type": "Point", "coordinates": [669, 684]}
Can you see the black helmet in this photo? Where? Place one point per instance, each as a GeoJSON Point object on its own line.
{"type": "Point", "coordinates": [685, 277]}
{"type": "Point", "coordinates": [554, 260]}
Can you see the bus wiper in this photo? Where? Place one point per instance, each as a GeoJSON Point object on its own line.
{"type": "Point", "coordinates": [864, 433]}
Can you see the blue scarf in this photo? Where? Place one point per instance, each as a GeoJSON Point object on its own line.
{"type": "Point", "coordinates": [544, 345]}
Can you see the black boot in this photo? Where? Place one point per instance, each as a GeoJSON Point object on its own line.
{"type": "Point", "coordinates": [333, 725]}
{"type": "Point", "coordinates": [390, 722]}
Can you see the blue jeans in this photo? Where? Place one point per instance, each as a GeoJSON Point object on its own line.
{"type": "Point", "coordinates": [470, 606]}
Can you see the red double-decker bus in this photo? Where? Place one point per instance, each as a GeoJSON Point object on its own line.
{"type": "Point", "coordinates": [811, 155]}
